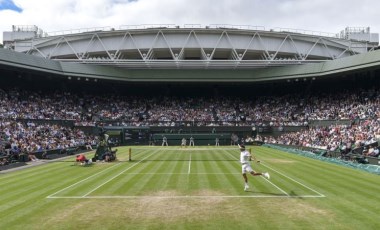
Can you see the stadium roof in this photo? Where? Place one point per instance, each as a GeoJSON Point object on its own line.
{"type": "Point", "coordinates": [20, 62]}
{"type": "Point", "coordinates": [174, 47]}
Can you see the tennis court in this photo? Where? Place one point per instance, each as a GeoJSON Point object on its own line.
{"type": "Point", "coordinates": [189, 188]}
{"type": "Point", "coordinates": [191, 172]}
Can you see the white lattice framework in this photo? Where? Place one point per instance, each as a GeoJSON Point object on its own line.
{"type": "Point", "coordinates": [172, 47]}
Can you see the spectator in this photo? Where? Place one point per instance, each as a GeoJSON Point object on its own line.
{"type": "Point", "coordinates": [32, 157]}
{"type": "Point", "coordinates": [4, 161]}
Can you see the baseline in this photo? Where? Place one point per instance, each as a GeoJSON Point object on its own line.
{"type": "Point", "coordinates": [187, 197]}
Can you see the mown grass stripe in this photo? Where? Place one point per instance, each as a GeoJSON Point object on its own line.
{"type": "Point", "coordinates": [211, 180]}
{"type": "Point", "coordinates": [351, 202]}
{"type": "Point", "coordinates": [235, 180]}
{"type": "Point", "coordinates": [115, 176]}
{"type": "Point", "coordinates": [161, 182]}
{"type": "Point", "coordinates": [87, 178]}
{"type": "Point", "coordinates": [49, 181]}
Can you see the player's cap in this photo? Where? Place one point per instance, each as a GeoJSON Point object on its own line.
{"type": "Point", "coordinates": [242, 146]}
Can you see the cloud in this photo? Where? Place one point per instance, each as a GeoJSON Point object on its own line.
{"type": "Point", "coordinates": [322, 15]}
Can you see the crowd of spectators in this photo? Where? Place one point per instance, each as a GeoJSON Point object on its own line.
{"type": "Point", "coordinates": [18, 138]}
{"type": "Point", "coordinates": [20, 135]}
{"type": "Point", "coordinates": [113, 109]}
{"type": "Point", "coordinates": [343, 138]}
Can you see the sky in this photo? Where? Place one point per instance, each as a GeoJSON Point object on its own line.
{"type": "Point", "coordinates": [330, 16]}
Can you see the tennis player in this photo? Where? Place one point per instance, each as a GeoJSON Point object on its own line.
{"type": "Point", "coordinates": [245, 158]}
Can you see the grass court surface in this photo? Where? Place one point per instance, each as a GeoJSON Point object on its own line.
{"type": "Point", "coordinates": [189, 188]}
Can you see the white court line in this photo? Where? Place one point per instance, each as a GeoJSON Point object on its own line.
{"type": "Point", "coordinates": [170, 148]}
{"type": "Point", "coordinates": [166, 197]}
{"type": "Point", "coordinates": [265, 179]}
{"type": "Point", "coordinates": [83, 180]}
{"type": "Point", "coordinates": [183, 173]}
{"type": "Point", "coordinates": [183, 197]}
{"type": "Point", "coordinates": [276, 186]}
{"type": "Point", "coordinates": [117, 175]}
{"type": "Point", "coordinates": [294, 180]}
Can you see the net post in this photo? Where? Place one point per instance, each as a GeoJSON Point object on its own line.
{"type": "Point", "coordinates": [130, 155]}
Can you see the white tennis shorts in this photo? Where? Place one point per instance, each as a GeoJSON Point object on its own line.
{"type": "Point", "coordinates": [246, 168]}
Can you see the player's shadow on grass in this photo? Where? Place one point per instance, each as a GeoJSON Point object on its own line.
{"type": "Point", "coordinates": [291, 194]}
{"type": "Point", "coordinates": [295, 195]}
{"type": "Point", "coordinates": [266, 193]}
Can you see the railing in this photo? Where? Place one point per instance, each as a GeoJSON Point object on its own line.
{"type": "Point", "coordinates": [148, 26]}
{"type": "Point", "coordinates": [76, 31]}
{"type": "Point", "coordinates": [195, 26]}
{"type": "Point", "coordinates": [307, 32]}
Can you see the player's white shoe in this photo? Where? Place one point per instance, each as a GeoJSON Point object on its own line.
{"type": "Point", "coordinates": [246, 187]}
{"type": "Point", "coordinates": [266, 175]}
